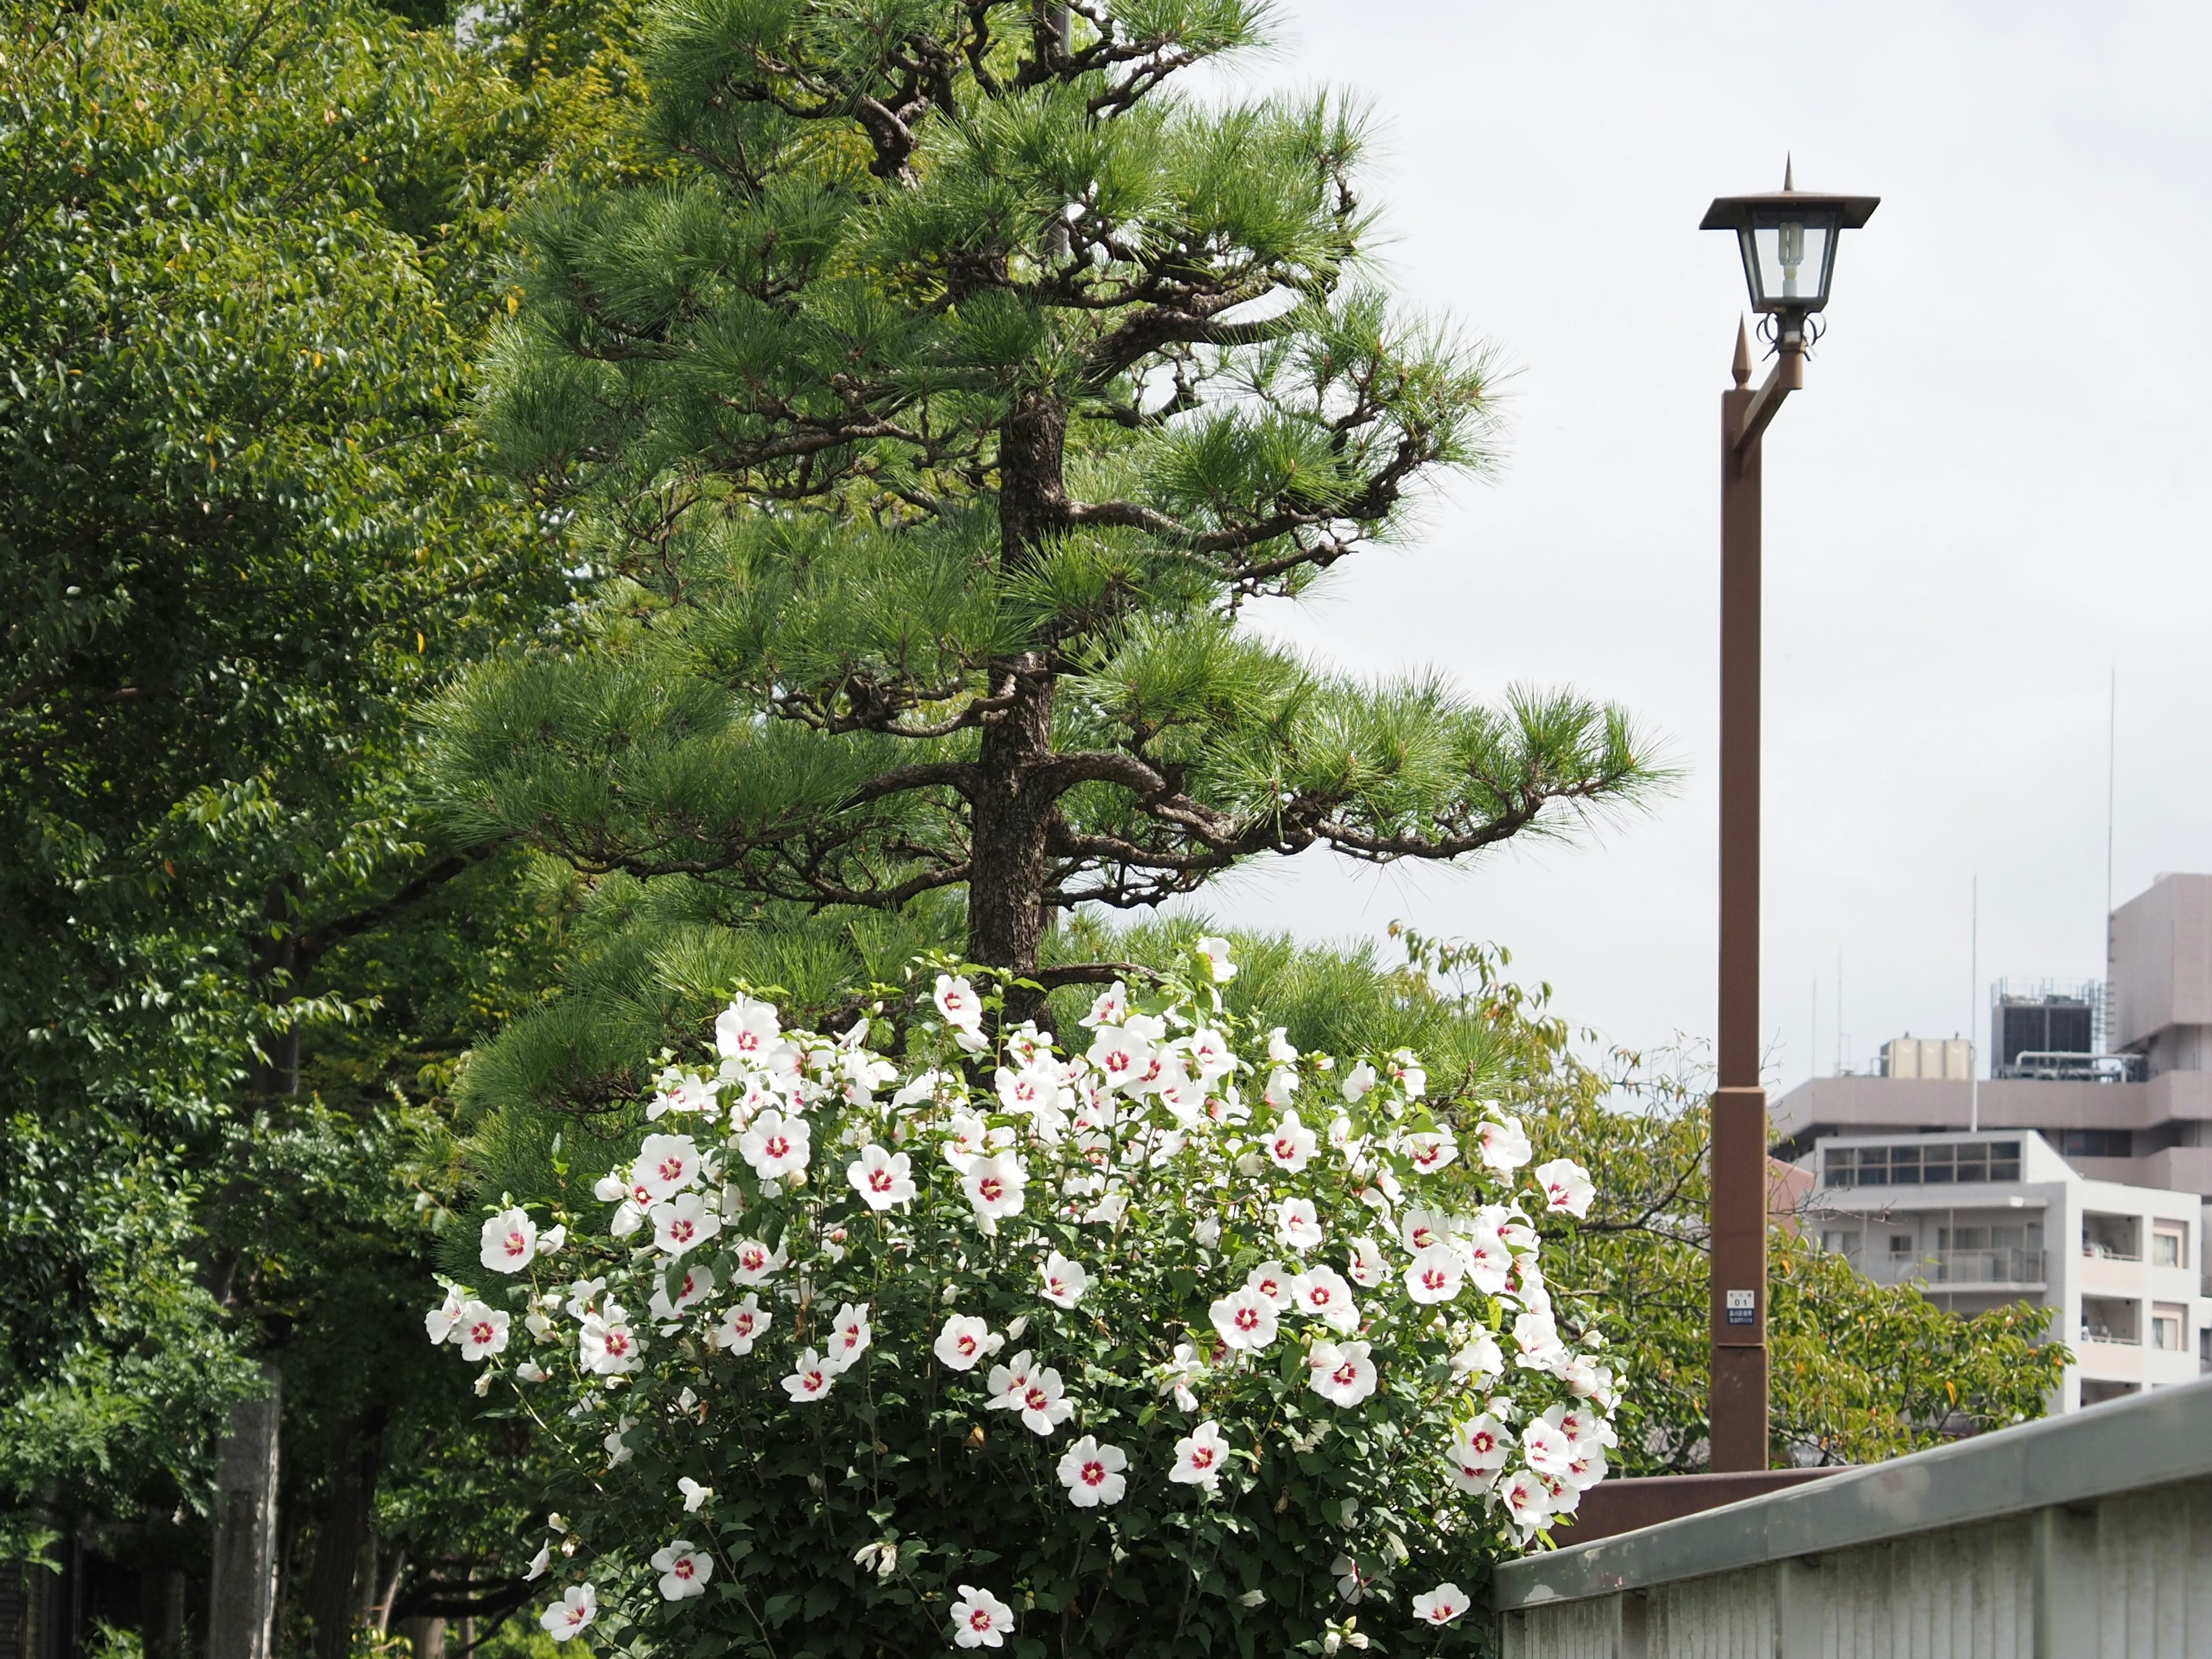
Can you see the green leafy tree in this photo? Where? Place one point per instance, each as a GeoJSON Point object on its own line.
{"type": "Point", "coordinates": [933, 419]}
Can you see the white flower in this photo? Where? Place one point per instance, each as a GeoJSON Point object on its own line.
{"type": "Point", "coordinates": [1065, 1281]}
{"type": "Point", "coordinates": [1290, 1143]}
{"type": "Point", "coordinates": [1441, 1605]}
{"type": "Point", "coordinates": [881, 1177]}
{"type": "Point", "coordinates": [443, 1322]}
{"type": "Point", "coordinates": [882, 1555]}
{"type": "Point", "coordinates": [1093, 1474]}
{"type": "Point", "coordinates": [1548, 1448]}
{"type": "Point", "coordinates": [1321, 1293]}
{"type": "Point", "coordinates": [1538, 1339]}
{"type": "Point", "coordinates": [1039, 1400]}
{"type": "Point", "coordinates": [1280, 1050]}
{"type": "Point", "coordinates": [483, 1331]}
{"type": "Point", "coordinates": [578, 1606]}
{"type": "Point", "coordinates": [1352, 1580]}
{"type": "Point", "coordinates": [510, 1242]}
{"type": "Point", "coordinates": [1434, 1274]}
{"type": "Point", "coordinates": [1478, 1452]}
{"type": "Point", "coordinates": [981, 1619]}
{"type": "Point", "coordinates": [1566, 1186]}
{"type": "Point", "coordinates": [1488, 1260]}
{"type": "Point", "coordinates": [1187, 1367]}
{"type": "Point", "coordinates": [665, 1165]}
{"type": "Point", "coordinates": [1200, 1456]}
{"type": "Point", "coordinates": [697, 1284]}
{"type": "Point", "coordinates": [538, 1563]}
{"type": "Point", "coordinates": [757, 1263]}
{"type": "Point", "coordinates": [1297, 1227]}
{"type": "Point", "coordinates": [1215, 952]}
{"type": "Point", "coordinates": [1369, 1268]}
{"type": "Point", "coordinates": [1407, 1071]}
{"type": "Point", "coordinates": [1246, 1319]}
{"type": "Point", "coordinates": [849, 1339]}
{"type": "Point", "coordinates": [746, 1030]}
{"type": "Point", "coordinates": [1343, 1373]}
{"type": "Point", "coordinates": [994, 1184]}
{"type": "Point", "coordinates": [684, 1091]}
{"type": "Point", "coordinates": [1008, 1382]}
{"type": "Point", "coordinates": [1526, 1500]}
{"type": "Point", "coordinates": [583, 1296]}
{"type": "Point", "coordinates": [1271, 1281]}
{"type": "Point", "coordinates": [957, 1004]}
{"type": "Point", "coordinates": [550, 1241]}
{"type": "Point", "coordinates": [969, 1140]}
{"type": "Point", "coordinates": [964, 1341]}
{"type": "Point", "coordinates": [1586, 1468]}
{"type": "Point", "coordinates": [1504, 1146]}
{"type": "Point", "coordinates": [1121, 1056]}
{"type": "Point", "coordinates": [811, 1380]}
{"type": "Point", "coordinates": [619, 1450]}
{"type": "Point", "coordinates": [741, 1326]}
{"type": "Point", "coordinates": [1478, 1358]}
{"type": "Point", "coordinates": [683, 1571]}
{"type": "Point", "coordinates": [606, 1347]}
{"type": "Point", "coordinates": [1109, 1007]}
{"type": "Point", "coordinates": [1431, 1150]}
{"type": "Point", "coordinates": [1424, 1230]}
{"type": "Point", "coordinates": [775, 1145]}
{"type": "Point", "coordinates": [694, 1494]}
{"type": "Point", "coordinates": [683, 1223]}
{"type": "Point", "coordinates": [1108, 1210]}
{"type": "Point", "coordinates": [1359, 1082]}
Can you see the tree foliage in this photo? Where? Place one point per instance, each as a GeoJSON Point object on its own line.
{"type": "Point", "coordinates": [935, 418]}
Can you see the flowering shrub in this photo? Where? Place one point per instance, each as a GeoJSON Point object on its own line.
{"type": "Point", "coordinates": [1168, 1339]}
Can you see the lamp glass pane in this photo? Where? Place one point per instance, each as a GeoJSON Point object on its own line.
{"type": "Point", "coordinates": [1791, 262]}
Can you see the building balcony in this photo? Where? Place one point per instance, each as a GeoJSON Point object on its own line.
{"type": "Point", "coordinates": [2012, 1265]}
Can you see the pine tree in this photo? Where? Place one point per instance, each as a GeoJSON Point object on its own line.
{"type": "Point", "coordinates": [930, 421]}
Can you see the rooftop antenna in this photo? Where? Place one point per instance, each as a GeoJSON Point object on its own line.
{"type": "Point", "coordinates": [1973, 997]}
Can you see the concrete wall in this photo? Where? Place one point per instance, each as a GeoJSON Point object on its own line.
{"type": "Point", "coordinates": [2086, 1537]}
{"type": "Point", "coordinates": [2161, 961]}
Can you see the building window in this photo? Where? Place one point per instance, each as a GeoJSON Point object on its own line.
{"type": "Point", "coordinates": [2111, 1319]}
{"type": "Point", "coordinates": [2166, 1321]}
{"type": "Point", "coordinates": [2169, 1244]}
{"type": "Point", "coordinates": [2095, 1143]}
{"type": "Point", "coordinates": [1947, 1163]}
{"type": "Point", "coordinates": [1901, 1243]}
{"type": "Point", "coordinates": [2096, 1392]}
{"type": "Point", "coordinates": [1841, 1241]}
{"type": "Point", "coordinates": [2114, 1237]}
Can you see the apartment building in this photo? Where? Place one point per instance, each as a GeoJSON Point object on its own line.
{"type": "Point", "coordinates": [1977, 1220]}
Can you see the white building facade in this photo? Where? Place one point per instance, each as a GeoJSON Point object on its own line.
{"type": "Point", "coordinates": [1976, 1221]}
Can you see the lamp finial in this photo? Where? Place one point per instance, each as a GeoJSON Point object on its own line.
{"type": "Point", "coordinates": [1741, 366]}
{"type": "Point", "coordinates": [1787, 170]}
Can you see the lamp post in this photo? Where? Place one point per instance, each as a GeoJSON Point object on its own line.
{"type": "Point", "coordinates": [1788, 240]}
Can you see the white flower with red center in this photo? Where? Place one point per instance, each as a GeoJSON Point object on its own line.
{"type": "Point", "coordinates": [1478, 1453]}
{"type": "Point", "coordinates": [1093, 1474]}
{"type": "Point", "coordinates": [747, 1030]}
{"type": "Point", "coordinates": [483, 1331]}
{"type": "Point", "coordinates": [683, 1223]}
{"type": "Point", "coordinates": [1213, 951]}
{"type": "Point", "coordinates": [981, 1619]}
{"type": "Point", "coordinates": [994, 1185]}
{"type": "Point", "coordinates": [1406, 1071]}
{"type": "Point", "coordinates": [1479, 1358]}
{"type": "Point", "coordinates": [1431, 1150]}
{"type": "Point", "coordinates": [741, 1326]}
{"type": "Point", "coordinates": [1424, 1230]}
{"type": "Point", "coordinates": [696, 1284]}
{"type": "Point", "coordinates": [1289, 1144]}
{"type": "Point", "coordinates": [606, 1347]}
{"type": "Point", "coordinates": [1586, 1467]}
{"type": "Point", "coordinates": [1342, 1373]}
{"type": "Point", "coordinates": [1065, 1281]}
{"type": "Point", "coordinates": [1109, 1007]}
{"type": "Point", "coordinates": [1200, 1456]}
{"type": "Point", "coordinates": [686, 1093]}
{"type": "Point", "coordinates": [775, 1143]}
{"type": "Point", "coordinates": [1434, 1274]}
{"type": "Point", "coordinates": [1368, 1266]}
{"type": "Point", "coordinates": [848, 1338]}
{"type": "Point", "coordinates": [811, 1379]}
{"type": "Point", "coordinates": [1208, 1055]}
{"type": "Point", "coordinates": [882, 1177]}
{"type": "Point", "coordinates": [665, 1165]}
{"type": "Point", "coordinates": [1441, 1605]}
{"type": "Point", "coordinates": [1010, 1381]}
{"type": "Point", "coordinates": [1321, 1293]}
{"type": "Point", "coordinates": [1528, 1500]}
{"type": "Point", "coordinates": [1353, 1580]}
{"type": "Point", "coordinates": [967, 1139]}
{"type": "Point", "coordinates": [1580, 1423]}
{"type": "Point", "coordinates": [510, 1242]}
{"type": "Point", "coordinates": [755, 1263]}
{"type": "Point", "coordinates": [1536, 1335]}
{"type": "Point", "coordinates": [1359, 1083]}
{"type": "Point", "coordinates": [443, 1323]}
{"type": "Point", "coordinates": [1566, 1184]}
{"type": "Point", "coordinates": [1245, 1319]}
{"type": "Point", "coordinates": [1039, 1400]}
{"type": "Point", "coordinates": [1178, 1375]}
{"type": "Point", "coordinates": [684, 1570]}
{"type": "Point", "coordinates": [1504, 1146]}
{"type": "Point", "coordinates": [566, 1619]}
{"type": "Point", "coordinates": [1275, 1281]}
{"type": "Point", "coordinates": [1032, 1089]}
{"type": "Point", "coordinates": [957, 1004]}
{"type": "Point", "coordinates": [1548, 1449]}
{"type": "Point", "coordinates": [1123, 1058]}
{"type": "Point", "coordinates": [1297, 1225]}
{"type": "Point", "coordinates": [1488, 1262]}
{"type": "Point", "coordinates": [965, 1342]}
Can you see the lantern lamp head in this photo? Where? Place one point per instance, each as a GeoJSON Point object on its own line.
{"type": "Point", "coordinates": [1789, 242]}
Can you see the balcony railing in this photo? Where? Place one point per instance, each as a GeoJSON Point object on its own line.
{"type": "Point", "coordinates": [2105, 1252]}
{"type": "Point", "coordinates": [2013, 1265]}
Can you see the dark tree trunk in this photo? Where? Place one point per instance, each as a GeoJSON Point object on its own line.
{"type": "Point", "coordinates": [335, 1591]}
{"type": "Point", "coordinates": [1013, 812]}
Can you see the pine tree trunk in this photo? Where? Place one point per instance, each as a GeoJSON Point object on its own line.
{"type": "Point", "coordinates": [242, 1591]}
{"type": "Point", "coordinates": [1012, 818]}
{"type": "Point", "coordinates": [334, 1586]}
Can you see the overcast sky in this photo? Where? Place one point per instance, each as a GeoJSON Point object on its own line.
{"type": "Point", "coordinates": [1990, 496]}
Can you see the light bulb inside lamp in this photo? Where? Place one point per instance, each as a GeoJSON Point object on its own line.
{"type": "Point", "coordinates": [1790, 251]}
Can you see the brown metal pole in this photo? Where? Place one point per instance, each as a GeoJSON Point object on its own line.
{"type": "Point", "coordinates": [1739, 1167]}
